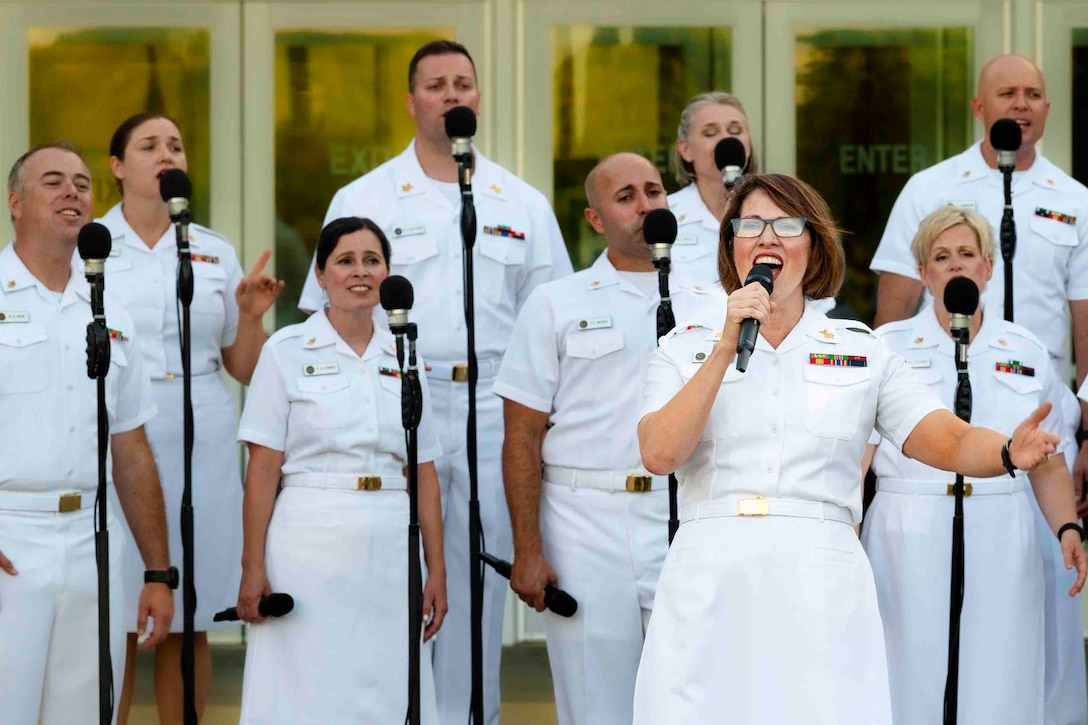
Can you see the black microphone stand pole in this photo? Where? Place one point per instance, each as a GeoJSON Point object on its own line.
{"type": "Point", "coordinates": [98, 363]}
{"type": "Point", "coordinates": [411, 410]}
{"type": "Point", "coordinates": [475, 529]}
{"type": "Point", "coordinates": [963, 411]}
{"type": "Point", "coordinates": [666, 320]}
{"type": "Point", "coordinates": [1008, 240]}
{"type": "Point", "coordinates": [185, 299]}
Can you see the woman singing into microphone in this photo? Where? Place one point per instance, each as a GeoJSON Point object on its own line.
{"type": "Point", "coordinates": [908, 528]}
{"type": "Point", "coordinates": [766, 611]}
{"type": "Point", "coordinates": [226, 332]}
{"type": "Point", "coordinates": [324, 413]}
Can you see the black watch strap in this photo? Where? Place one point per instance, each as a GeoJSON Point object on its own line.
{"type": "Point", "coordinates": [1082, 435]}
{"type": "Point", "coordinates": [1006, 459]}
{"type": "Point", "coordinates": [1075, 527]}
{"type": "Point", "coordinates": [169, 577]}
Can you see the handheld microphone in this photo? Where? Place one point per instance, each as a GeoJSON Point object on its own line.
{"type": "Point", "coordinates": [461, 127]}
{"type": "Point", "coordinates": [397, 296]}
{"type": "Point", "coordinates": [730, 157]}
{"type": "Point", "coordinates": [659, 231]}
{"type": "Point", "coordinates": [556, 600]}
{"type": "Point", "coordinates": [94, 245]}
{"type": "Point", "coordinates": [1005, 137]}
{"type": "Point", "coordinates": [272, 605]}
{"type": "Point", "coordinates": [749, 329]}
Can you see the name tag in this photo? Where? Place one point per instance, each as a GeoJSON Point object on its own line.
{"type": "Point", "coordinates": [329, 368]}
{"type": "Point", "coordinates": [967, 204]}
{"type": "Point", "coordinates": [14, 317]}
{"type": "Point", "coordinates": [923, 363]}
{"type": "Point", "coordinates": [594, 323]}
{"type": "Point", "coordinates": [688, 239]}
{"type": "Point", "coordinates": [115, 251]}
{"type": "Point", "coordinates": [408, 230]}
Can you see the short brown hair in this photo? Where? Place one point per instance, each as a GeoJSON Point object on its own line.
{"type": "Point", "coordinates": [436, 47]}
{"type": "Point", "coordinates": [826, 259]}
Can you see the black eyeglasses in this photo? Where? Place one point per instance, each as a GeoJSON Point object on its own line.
{"type": "Point", "coordinates": [783, 226]}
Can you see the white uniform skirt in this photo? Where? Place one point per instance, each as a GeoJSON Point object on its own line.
{"type": "Point", "coordinates": [341, 656]}
{"type": "Point", "coordinates": [217, 499]}
{"type": "Point", "coordinates": [908, 539]}
{"type": "Point", "coordinates": [764, 621]}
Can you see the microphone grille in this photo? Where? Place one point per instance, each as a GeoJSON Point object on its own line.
{"type": "Point", "coordinates": [659, 227]}
{"type": "Point", "coordinates": [1005, 135]}
{"type": "Point", "coordinates": [961, 296]}
{"type": "Point", "coordinates": [460, 122]}
{"type": "Point", "coordinates": [94, 241]}
{"type": "Point", "coordinates": [396, 293]}
{"type": "Point", "coordinates": [175, 184]}
{"type": "Point", "coordinates": [761, 273]}
{"type": "Point", "coordinates": [729, 152]}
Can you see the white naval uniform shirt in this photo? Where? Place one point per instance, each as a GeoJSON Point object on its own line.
{"type": "Point", "coordinates": [795, 424]}
{"type": "Point", "coordinates": [1010, 376]}
{"type": "Point", "coordinates": [328, 409]}
{"type": "Point", "coordinates": [518, 246]}
{"type": "Point", "coordinates": [1051, 262]}
{"type": "Point", "coordinates": [144, 281]}
{"type": "Point", "coordinates": [48, 405]}
{"type": "Point", "coordinates": [580, 351]}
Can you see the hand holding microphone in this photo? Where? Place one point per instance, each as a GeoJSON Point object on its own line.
{"type": "Point", "coordinates": [526, 583]}
{"type": "Point", "coordinates": [748, 307]}
{"type": "Point", "coordinates": [270, 605]}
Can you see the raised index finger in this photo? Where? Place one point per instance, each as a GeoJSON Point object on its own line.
{"type": "Point", "coordinates": [258, 268]}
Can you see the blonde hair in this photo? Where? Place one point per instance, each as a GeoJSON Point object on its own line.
{"type": "Point", "coordinates": [685, 171]}
{"type": "Point", "coordinates": [943, 219]}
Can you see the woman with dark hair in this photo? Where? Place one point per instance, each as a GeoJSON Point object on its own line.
{"type": "Point", "coordinates": [766, 611]}
{"type": "Point", "coordinates": [226, 332]}
{"type": "Point", "coordinates": [324, 414]}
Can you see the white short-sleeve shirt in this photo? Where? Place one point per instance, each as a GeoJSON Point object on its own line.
{"type": "Point", "coordinates": [1050, 266]}
{"type": "Point", "coordinates": [48, 405]}
{"type": "Point", "coordinates": [1010, 375]}
{"type": "Point", "coordinates": [796, 423]}
{"type": "Point", "coordinates": [518, 246]}
{"type": "Point", "coordinates": [579, 352]}
{"type": "Point", "coordinates": [328, 409]}
{"type": "Point", "coordinates": [144, 281]}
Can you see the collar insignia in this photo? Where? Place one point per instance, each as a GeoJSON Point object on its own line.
{"type": "Point", "coordinates": [11, 283]}
{"type": "Point", "coordinates": [828, 334]}
{"type": "Point", "coordinates": [311, 341]}
{"type": "Point", "coordinates": [496, 188]}
{"type": "Point", "coordinates": [919, 340]}
{"type": "Point", "coordinates": [966, 174]}
{"type": "Point", "coordinates": [406, 188]}
{"type": "Point", "coordinates": [1001, 342]}
{"type": "Point", "coordinates": [681, 218]}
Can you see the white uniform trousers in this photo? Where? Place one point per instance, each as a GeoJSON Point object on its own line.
{"type": "Point", "coordinates": [341, 656]}
{"type": "Point", "coordinates": [908, 537]}
{"type": "Point", "coordinates": [217, 499]}
{"type": "Point", "coordinates": [764, 621]}
{"type": "Point", "coordinates": [607, 550]}
{"type": "Point", "coordinates": [453, 643]}
{"type": "Point", "coordinates": [49, 617]}
{"type": "Point", "coordinates": [1066, 699]}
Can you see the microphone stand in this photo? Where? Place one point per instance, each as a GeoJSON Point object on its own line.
{"type": "Point", "coordinates": [1008, 240]}
{"type": "Point", "coordinates": [666, 320]}
{"type": "Point", "coordinates": [411, 411]}
{"type": "Point", "coordinates": [185, 298]}
{"type": "Point", "coordinates": [475, 529]}
{"type": "Point", "coordinates": [963, 411]}
{"type": "Point", "coordinates": [98, 363]}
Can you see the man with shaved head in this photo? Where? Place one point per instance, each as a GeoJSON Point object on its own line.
{"type": "Point", "coordinates": [1050, 276]}
{"type": "Point", "coordinates": [587, 517]}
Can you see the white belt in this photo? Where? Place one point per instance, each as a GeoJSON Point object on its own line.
{"type": "Point", "coordinates": [458, 372]}
{"type": "Point", "coordinates": [62, 503]}
{"type": "Point", "coordinates": [759, 506]}
{"type": "Point", "coordinates": [385, 481]}
{"type": "Point", "coordinates": [616, 481]}
{"type": "Point", "coordinates": [944, 488]}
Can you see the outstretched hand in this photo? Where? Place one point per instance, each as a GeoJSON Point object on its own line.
{"type": "Point", "coordinates": [1031, 444]}
{"type": "Point", "coordinates": [258, 291]}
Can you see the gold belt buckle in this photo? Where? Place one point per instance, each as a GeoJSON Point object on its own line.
{"type": "Point", "coordinates": [368, 483]}
{"type": "Point", "coordinates": [460, 373]}
{"type": "Point", "coordinates": [966, 489]}
{"type": "Point", "coordinates": [758, 506]}
{"type": "Point", "coordinates": [639, 484]}
{"type": "Point", "coordinates": [70, 502]}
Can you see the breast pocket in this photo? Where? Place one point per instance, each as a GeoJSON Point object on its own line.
{"type": "Point", "coordinates": [119, 279]}
{"type": "Point", "coordinates": [835, 396]}
{"type": "Point", "coordinates": [117, 370]}
{"type": "Point", "coordinates": [501, 258]}
{"type": "Point", "coordinates": [1058, 241]}
{"type": "Point", "coordinates": [1020, 396]}
{"type": "Point", "coordinates": [325, 400]}
{"type": "Point", "coordinates": [594, 344]}
{"type": "Point", "coordinates": [24, 358]}
{"type": "Point", "coordinates": [408, 258]}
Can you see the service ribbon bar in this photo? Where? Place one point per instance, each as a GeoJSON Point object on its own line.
{"type": "Point", "coordinates": [1055, 215]}
{"type": "Point", "coordinates": [1014, 367]}
{"type": "Point", "coordinates": [848, 361]}
{"type": "Point", "coordinates": [504, 231]}
{"type": "Point", "coordinates": [116, 334]}
{"type": "Point", "coordinates": [391, 372]}
{"type": "Point", "coordinates": [205, 258]}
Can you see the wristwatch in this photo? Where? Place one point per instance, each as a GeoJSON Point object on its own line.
{"type": "Point", "coordinates": [169, 577]}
